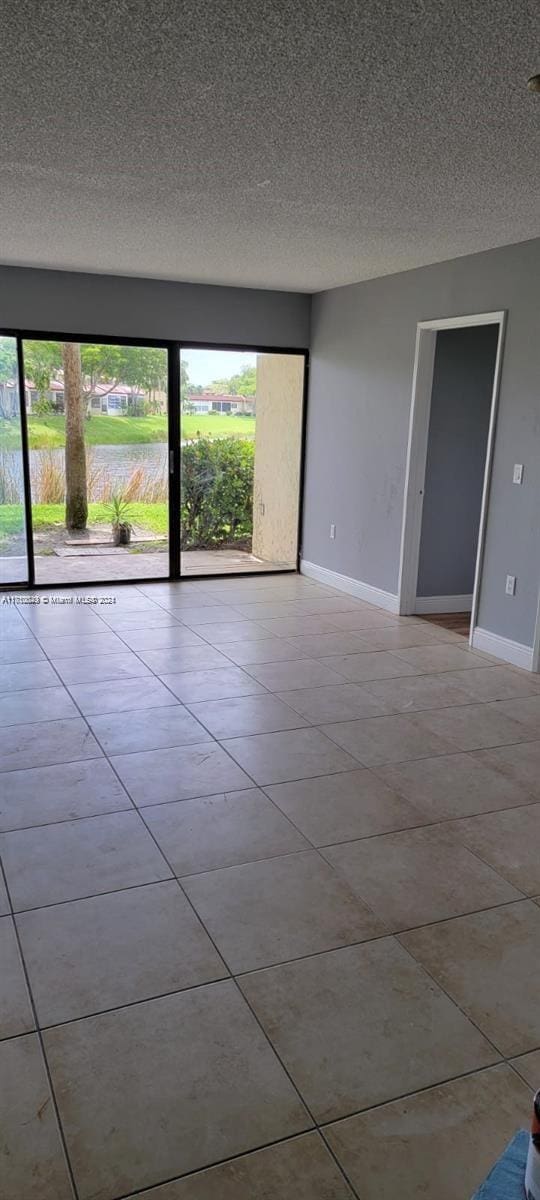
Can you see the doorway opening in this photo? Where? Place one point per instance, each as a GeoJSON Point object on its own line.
{"type": "Point", "coordinates": [451, 436]}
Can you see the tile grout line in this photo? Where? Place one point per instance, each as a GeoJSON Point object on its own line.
{"type": "Point", "coordinates": [38, 1033]}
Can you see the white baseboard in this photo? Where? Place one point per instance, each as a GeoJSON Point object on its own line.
{"type": "Point", "coordinates": [354, 587]}
{"type": "Point", "coordinates": [443, 604]}
{"type": "Point", "coordinates": [501, 647]}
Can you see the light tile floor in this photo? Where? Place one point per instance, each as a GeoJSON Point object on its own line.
{"type": "Point", "coordinates": [270, 910]}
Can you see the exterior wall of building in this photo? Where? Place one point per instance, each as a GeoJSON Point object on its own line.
{"type": "Point", "coordinates": [278, 440]}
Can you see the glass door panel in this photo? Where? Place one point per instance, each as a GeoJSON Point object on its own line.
{"type": "Point", "coordinates": [13, 543]}
{"type": "Point", "coordinates": [98, 449]}
{"type": "Point", "coordinates": [241, 448]}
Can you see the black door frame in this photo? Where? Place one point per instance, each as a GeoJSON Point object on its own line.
{"type": "Point", "coordinates": [174, 348]}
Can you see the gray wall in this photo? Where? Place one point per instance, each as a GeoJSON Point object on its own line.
{"type": "Point", "coordinates": [362, 354]}
{"type": "Point", "coordinates": [458, 432]}
{"type": "Point", "coordinates": [120, 306]}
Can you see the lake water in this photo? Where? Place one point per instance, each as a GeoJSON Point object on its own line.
{"type": "Point", "coordinates": [116, 462]}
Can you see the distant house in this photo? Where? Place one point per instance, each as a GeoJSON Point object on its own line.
{"type": "Point", "coordinates": [205, 402]}
{"type": "Point", "coordinates": [114, 402]}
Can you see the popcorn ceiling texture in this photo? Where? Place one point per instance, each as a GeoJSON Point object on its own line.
{"type": "Point", "coordinates": [297, 144]}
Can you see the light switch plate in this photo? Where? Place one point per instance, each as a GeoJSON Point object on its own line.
{"type": "Point", "coordinates": [510, 585]}
{"type": "Point", "coordinates": [518, 473]}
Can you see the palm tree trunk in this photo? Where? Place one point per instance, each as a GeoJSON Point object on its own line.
{"type": "Point", "coordinates": [74, 403]}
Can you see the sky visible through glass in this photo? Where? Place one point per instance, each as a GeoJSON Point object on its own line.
{"type": "Point", "coordinates": [204, 366]}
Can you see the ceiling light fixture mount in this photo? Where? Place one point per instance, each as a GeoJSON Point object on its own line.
{"type": "Point", "coordinates": [533, 83]}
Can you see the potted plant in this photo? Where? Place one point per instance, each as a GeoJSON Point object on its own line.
{"type": "Point", "coordinates": [120, 511]}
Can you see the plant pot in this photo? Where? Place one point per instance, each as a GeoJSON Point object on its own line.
{"type": "Point", "coordinates": [121, 534]}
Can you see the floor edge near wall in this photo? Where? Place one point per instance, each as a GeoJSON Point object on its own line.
{"type": "Point", "coordinates": [355, 587]}
{"type": "Point", "coordinates": [512, 652]}
{"type": "Point", "coordinates": [482, 639]}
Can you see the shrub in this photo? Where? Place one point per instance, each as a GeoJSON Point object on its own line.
{"type": "Point", "coordinates": [217, 492]}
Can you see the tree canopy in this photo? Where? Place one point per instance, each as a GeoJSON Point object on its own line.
{"type": "Point", "coordinates": [242, 384]}
{"type": "Point", "coordinates": [143, 368]}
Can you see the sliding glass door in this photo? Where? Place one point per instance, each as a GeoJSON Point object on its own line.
{"type": "Point", "coordinates": [14, 568]}
{"type": "Point", "coordinates": [98, 457]}
{"type": "Point", "coordinates": [241, 450]}
{"type": "Point", "coordinates": [122, 461]}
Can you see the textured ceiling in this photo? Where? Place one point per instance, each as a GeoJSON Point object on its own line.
{"type": "Point", "coordinates": [273, 143]}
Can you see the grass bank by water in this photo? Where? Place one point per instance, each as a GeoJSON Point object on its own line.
{"type": "Point", "coordinates": [48, 432]}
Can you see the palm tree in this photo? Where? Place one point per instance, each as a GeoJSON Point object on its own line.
{"type": "Point", "coordinates": [75, 409]}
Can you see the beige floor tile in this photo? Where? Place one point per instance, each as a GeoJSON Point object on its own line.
{"type": "Point", "coordinates": [362, 619]}
{"type": "Point", "coordinates": [273, 650]}
{"type": "Point", "coordinates": [40, 704]}
{"type": "Point", "coordinates": [417, 692]}
{"type": "Point", "coordinates": [209, 614]}
{"type": "Point", "coordinates": [46, 743]}
{"type": "Point", "coordinates": [362, 1025]}
{"type": "Point", "coordinates": [172, 725]}
{"type": "Point", "coordinates": [279, 908]}
{"type": "Point", "coordinates": [106, 951]}
{"type": "Point", "coordinates": [338, 808]}
{"type": "Point", "coordinates": [441, 1142]}
{"type": "Point", "coordinates": [519, 764]}
{"type": "Point", "coordinates": [150, 1092]}
{"type": "Point", "coordinates": [294, 754]}
{"type": "Point", "coordinates": [528, 1066]}
{"type": "Point", "coordinates": [68, 621]}
{"type": "Point", "coordinates": [490, 964]}
{"type": "Point", "coordinates": [397, 637]}
{"type": "Point", "coordinates": [474, 726]}
{"type": "Point", "coordinates": [360, 668]}
{"type": "Point", "coordinates": [81, 645]}
{"type": "Point", "coordinates": [295, 626]}
{"type": "Point", "coordinates": [493, 683]}
{"type": "Point", "coordinates": [284, 676]}
{"type": "Point", "coordinates": [97, 667]}
{"type": "Point", "coordinates": [299, 1169]}
{"type": "Point", "coordinates": [120, 695]}
{"type": "Point", "coordinates": [417, 876]}
{"type": "Point", "coordinates": [455, 785]}
{"type": "Point", "coordinates": [381, 740]}
{"type": "Point", "coordinates": [19, 650]}
{"type": "Point", "coordinates": [509, 841]}
{"type": "Point", "coordinates": [15, 1011]}
{"type": "Point", "coordinates": [33, 1163]}
{"type": "Point", "coordinates": [322, 645]}
{"type": "Point", "coordinates": [79, 858]}
{"type": "Point", "coordinates": [21, 676]}
{"type": "Point", "coordinates": [63, 792]}
{"type": "Point", "coordinates": [246, 714]}
{"type": "Point", "coordinates": [337, 702]}
{"type": "Point", "coordinates": [223, 632]}
{"type": "Point", "coordinates": [194, 686]}
{"type": "Point", "coordinates": [184, 658]}
{"type": "Point", "coordinates": [221, 831]}
{"type": "Point", "coordinates": [123, 622]}
{"type": "Point", "coordinates": [440, 657]}
{"type": "Point", "coordinates": [4, 900]}
{"type": "Point", "coordinates": [160, 638]}
{"type": "Point", "coordinates": [14, 627]}
{"type": "Point", "coordinates": [179, 773]}
{"type": "Point", "coordinates": [526, 711]}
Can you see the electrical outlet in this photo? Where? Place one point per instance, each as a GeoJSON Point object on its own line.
{"type": "Point", "coordinates": [332, 532]}
{"type": "Point", "coordinates": [510, 585]}
{"type": "Point", "coordinates": [518, 473]}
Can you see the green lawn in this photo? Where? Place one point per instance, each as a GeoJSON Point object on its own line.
{"type": "Point", "coordinates": [148, 516]}
{"type": "Point", "coordinates": [47, 433]}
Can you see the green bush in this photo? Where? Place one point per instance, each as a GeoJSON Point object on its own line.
{"type": "Point", "coordinates": [217, 492]}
